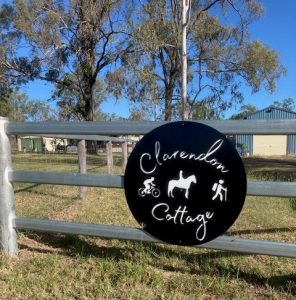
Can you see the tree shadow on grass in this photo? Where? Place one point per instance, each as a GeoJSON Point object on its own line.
{"type": "Point", "coordinates": [262, 230]}
{"type": "Point", "coordinates": [27, 188]}
{"type": "Point", "coordinates": [262, 162]}
{"type": "Point", "coordinates": [30, 189]}
{"type": "Point", "coordinates": [207, 262]}
{"type": "Point", "coordinates": [282, 283]}
{"type": "Point", "coordinates": [68, 245]}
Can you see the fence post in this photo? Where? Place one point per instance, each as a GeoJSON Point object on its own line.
{"type": "Point", "coordinates": [109, 157]}
{"type": "Point", "coordinates": [8, 238]}
{"type": "Point", "coordinates": [124, 155]}
{"type": "Point", "coordinates": [82, 166]}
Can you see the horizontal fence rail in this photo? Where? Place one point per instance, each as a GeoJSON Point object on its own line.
{"type": "Point", "coordinates": [138, 128]}
{"type": "Point", "coordinates": [92, 180]}
{"type": "Point", "coordinates": [101, 138]}
{"type": "Point", "coordinates": [255, 188]}
{"type": "Point", "coordinates": [136, 234]}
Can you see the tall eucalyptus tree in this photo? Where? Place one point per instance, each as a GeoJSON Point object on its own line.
{"type": "Point", "coordinates": [221, 56]}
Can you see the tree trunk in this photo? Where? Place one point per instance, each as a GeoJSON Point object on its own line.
{"type": "Point", "coordinates": [168, 103]}
{"type": "Point", "coordinates": [89, 115]}
{"type": "Point", "coordinates": [109, 157]}
{"type": "Point", "coordinates": [82, 166]}
{"type": "Point", "coordinates": [124, 155]}
{"type": "Point", "coordinates": [185, 8]}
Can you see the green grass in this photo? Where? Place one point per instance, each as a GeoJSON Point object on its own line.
{"type": "Point", "coordinates": [55, 266]}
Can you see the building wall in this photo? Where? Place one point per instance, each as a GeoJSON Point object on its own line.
{"type": "Point", "coordinates": [291, 144]}
{"type": "Point", "coordinates": [38, 144]}
{"type": "Point", "coordinates": [30, 144]}
{"type": "Point", "coordinates": [269, 145]}
{"type": "Point", "coordinates": [50, 144]}
{"type": "Point", "coordinates": [244, 144]}
{"type": "Point", "coordinates": [272, 145]}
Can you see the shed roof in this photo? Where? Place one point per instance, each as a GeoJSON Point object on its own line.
{"type": "Point", "coordinates": [272, 113]}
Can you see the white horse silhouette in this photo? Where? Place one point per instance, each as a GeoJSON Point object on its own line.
{"type": "Point", "coordinates": [181, 183]}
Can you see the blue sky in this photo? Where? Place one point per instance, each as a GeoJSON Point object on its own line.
{"type": "Point", "coordinates": [275, 29]}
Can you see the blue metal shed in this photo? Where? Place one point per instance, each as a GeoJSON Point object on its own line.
{"type": "Point", "coordinates": [245, 143]}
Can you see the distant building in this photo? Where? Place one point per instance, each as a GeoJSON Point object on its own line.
{"type": "Point", "coordinates": [41, 144]}
{"type": "Point", "coordinates": [261, 145]}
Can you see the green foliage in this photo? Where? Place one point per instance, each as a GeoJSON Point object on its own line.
{"type": "Point", "coordinates": [244, 111]}
{"type": "Point", "coordinates": [260, 66]}
{"type": "Point", "coordinates": [247, 109]}
{"type": "Point", "coordinates": [71, 105]}
{"type": "Point", "coordinates": [220, 58]}
{"type": "Point", "coordinates": [72, 44]}
{"type": "Point", "coordinates": [4, 100]}
{"type": "Point", "coordinates": [203, 110]}
{"type": "Point", "coordinates": [137, 115]}
{"type": "Point", "coordinates": [67, 43]}
{"type": "Point", "coordinates": [39, 111]}
{"type": "Point", "coordinates": [18, 107]}
{"type": "Point", "coordinates": [288, 104]}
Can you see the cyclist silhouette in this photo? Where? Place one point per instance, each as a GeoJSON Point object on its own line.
{"type": "Point", "coordinates": [149, 188]}
{"type": "Point", "coordinates": [148, 183]}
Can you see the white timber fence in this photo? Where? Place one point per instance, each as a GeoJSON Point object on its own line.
{"type": "Point", "coordinates": [10, 223]}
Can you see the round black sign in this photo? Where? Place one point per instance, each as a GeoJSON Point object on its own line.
{"type": "Point", "coordinates": [185, 183]}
